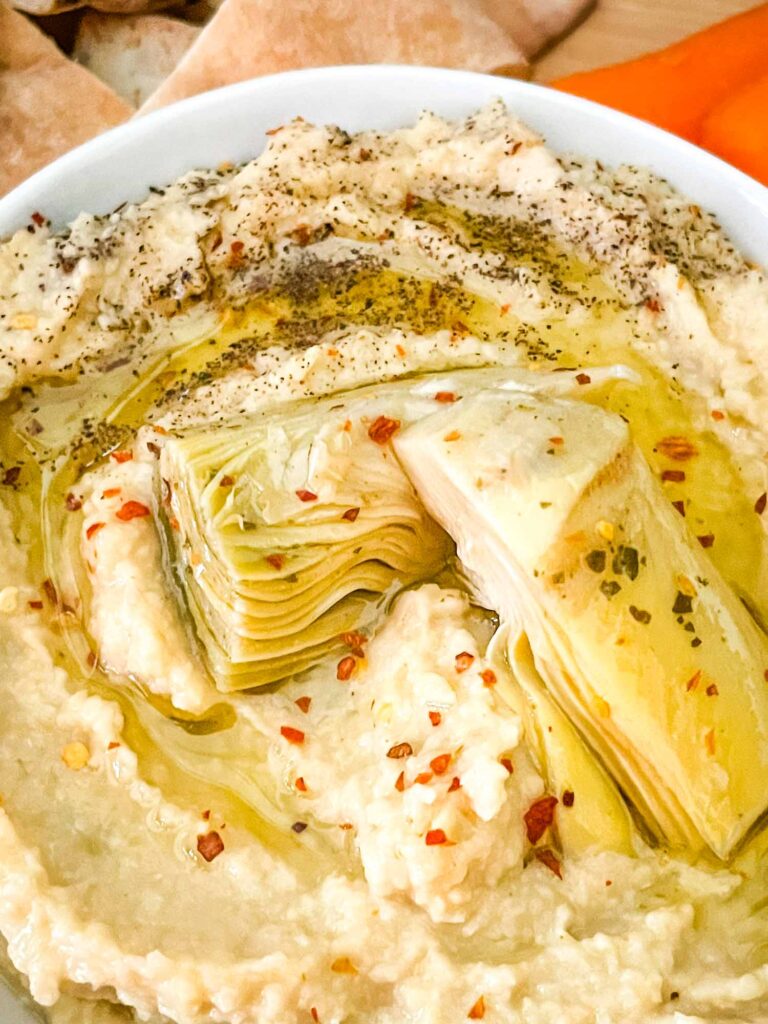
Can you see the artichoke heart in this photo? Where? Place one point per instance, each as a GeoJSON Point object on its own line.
{"type": "Point", "coordinates": [289, 527]}
{"type": "Point", "coordinates": [644, 647]}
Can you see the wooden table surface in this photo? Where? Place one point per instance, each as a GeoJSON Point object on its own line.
{"type": "Point", "coordinates": [620, 29]}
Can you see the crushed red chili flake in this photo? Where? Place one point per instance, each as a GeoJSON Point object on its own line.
{"type": "Point", "coordinates": [765, 675]}
{"type": "Point", "coordinates": [237, 247]}
{"type": "Point", "coordinates": [345, 668]}
{"type": "Point", "coordinates": [568, 798]}
{"type": "Point", "coordinates": [400, 750]}
{"type": "Point", "coordinates": [673, 476]}
{"type": "Point", "coordinates": [298, 827]}
{"type": "Point", "coordinates": [464, 661]}
{"type": "Point", "coordinates": [717, 414]}
{"type": "Point", "coordinates": [548, 859]}
{"type": "Point", "coordinates": [677, 448]}
{"type": "Point", "coordinates": [121, 455]}
{"type": "Point", "coordinates": [210, 845]}
{"type": "Point", "coordinates": [709, 742]}
{"type": "Point", "coordinates": [50, 591]}
{"type": "Point", "coordinates": [303, 495]}
{"type": "Point", "coordinates": [153, 448]}
{"type": "Point", "coordinates": [206, 815]}
{"type": "Point", "coordinates": [351, 514]}
{"type": "Point", "coordinates": [507, 305]}
{"type": "Point", "coordinates": [488, 676]}
{"type": "Point", "coordinates": [111, 492]}
{"type": "Point", "coordinates": [693, 682]}
{"type": "Point", "coordinates": [38, 219]}
{"type": "Point", "coordinates": [477, 1011]}
{"type": "Point", "coordinates": [291, 734]}
{"type": "Point", "coordinates": [93, 529]}
{"type": "Point", "coordinates": [400, 782]}
{"type": "Point", "coordinates": [422, 778]}
{"type": "Point", "coordinates": [435, 718]}
{"type": "Point", "coordinates": [410, 201]}
{"type": "Point", "coordinates": [583, 378]}
{"type": "Point", "coordinates": [276, 561]}
{"type": "Point", "coordinates": [132, 510]}
{"type": "Point", "coordinates": [355, 642]}
{"type": "Point", "coordinates": [303, 703]}
{"type": "Point", "coordinates": [37, 605]}
{"type": "Point", "coordinates": [11, 475]}
{"type": "Point", "coordinates": [680, 507]}
{"type": "Point", "coordinates": [557, 440]}
{"type": "Point", "coordinates": [452, 435]}
{"type": "Point", "coordinates": [445, 396]}
{"type": "Point", "coordinates": [712, 690]}
{"type": "Point", "coordinates": [314, 1014]}
{"type": "Point", "coordinates": [113, 745]}
{"type": "Point", "coordinates": [706, 540]}
{"type": "Point", "coordinates": [455, 784]}
{"type": "Point", "coordinates": [300, 784]}
{"type": "Point", "coordinates": [346, 826]}
{"type": "Point", "coordinates": [539, 817]}
{"type": "Point", "coordinates": [761, 503]}
{"type": "Point", "coordinates": [440, 764]}
{"type": "Point", "coordinates": [653, 305]}
{"type": "Point", "coordinates": [73, 503]}
{"type": "Point", "coordinates": [226, 481]}
{"type": "Point", "coordinates": [435, 837]}
{"type": "Point", "coordinates": [382, 429]}
{"type": "Point", "coordinates": [506, 762]}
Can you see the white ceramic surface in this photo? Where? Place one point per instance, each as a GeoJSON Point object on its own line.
{"type": "Point", "coordinates": [229, 124]}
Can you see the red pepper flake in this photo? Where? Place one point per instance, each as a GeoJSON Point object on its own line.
{"type": "Point", "coordinates": [313, 1009]}
{"type": "Point", "coordinates": [345, 826]}
{"type": "Point", "coordinates": [709, 742]}
{"type": "Point", "coordinates": [712, 690]}
{"type": "Point", "coordinates": [680, 506]}
{"type": "Point", "coordinates": [206, 815]}
{"type": "Point", "coordinates": [400, 351]}
{"type": "Point", "coordinates": [175, 524]}
{"type": "Point", "coordinates": [300, 784]}
{"type": "Point", "coordinates": [303, 495]}
{"type": "Point", "coordinates": [464, 661]}
{"type": "Point", "coordinates": [93, 529]}
{"type": "Point", "coordinates": [298, 827]}
{"type": "Point", "coordinates": [237, 247]}
{"type": "Point", "coordinates": [507, 763]}
{"type": "Point", "coordinates": [693, 682]}
{"type": "Point", "coordinates": [557, 440]}
{"type": "Point", "coordinates": [291, 734]}
{"type": "Point", "coordinates": [452, 435]}
{"type": "Point", "coordinates": [50, 592]}
{"type": "Point", "coordinates": [410, 201]}
{"type": "Point", "coordinates": [113, 745]}
{"type": "Point", "coordinates": [226, 481]}
{"type": "Point", "coordinates": [539, 817]}
{"type": "Point", "coordinates": [439, 764]}
{"type": "Point", "coordinates": [446, 397]}
{"type": "Point", "coordinates": [345, 668]}
{"type": "Point", "coordinates": [422, 779]}
{"type": "Point", "coordinates": [121, 456]}
{"type": "Point", "coordinates": [488, 676]}
{"type": "Point", "coordinates": [400, 782]}
{"type": "Point", "coordinates": [717, 414]}
{"type": "Point", "coordinates": [653, 305]}
{"type": "Point", "coordinates": [673, 476]}
{"type": "Point", "coordinates": [765, 675]}
{"type": "Point", "coordinates": [583, 378]}
{"type": "Point", "coordinates": [706, 540]}
{"type": "Point", "coordinates": [435, 718]}
{"type": "Point", "coordinates": [209, 846]}
{"type": "Point", "coordinates": [351, 514]}
{"type": "Point", "coordinates": [548, 859]}
{"type": "Point", "coordinates": [568, 798]}
{"type": "Point", "coordinates": [400, 750]}
{"type": "Point", "coordinates": [677, 448]}
{"type": "Point", "coordinates": [11, 475]}
{"type": "Point", "coordinates": [303, 703]}
{"type": "Point", "coordinates": [761, 503]}
{"type": "Point", "coordinates": [455, 784]}
{"type": "Point", "coordinates": [132, 510]}
{"type": "Point", "coordinates": [276, 561]}
{"type": "Point", "coordinates": [38, 219]}
{"type": "Point", "coordinates": [435, 837]}
{"type": "Point", "coordinates": [382, 429]}
{"type": "Point", "coordinates": [37, 605]}
{"type": "Point", "coordinates": [355, 642]}
{"type": "Point", "coordinates": [111, 492]}
{"type": "Point", "coordinates": [477, 1011]}
{"type": "Point", "coordinates": [73, 503]}
{"type": "Point", "coordinates": [343, 965]}
{"type": "Point", "coordinates": [505, 308]}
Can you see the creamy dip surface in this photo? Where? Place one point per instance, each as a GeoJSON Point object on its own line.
{"type": "Point", "coordinates": [383, 593]}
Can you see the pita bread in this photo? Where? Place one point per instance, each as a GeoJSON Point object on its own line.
{"type": "Point", "coordinates": [132, 54]}
{"type": "Point", "coordinates": [535, 24]}
{"type": "Point", "coordinates": [48, 104]}
{"type": "Point", "coordinates": [43, 7]}
{"type": "Point", "coordinates": [247, 38]}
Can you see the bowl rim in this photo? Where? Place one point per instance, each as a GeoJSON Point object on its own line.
{"type": "Point", "coordinates": [22, 197]}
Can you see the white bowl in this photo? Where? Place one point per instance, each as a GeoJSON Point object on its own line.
{"type": "Point", "coordinates": [229, 124]}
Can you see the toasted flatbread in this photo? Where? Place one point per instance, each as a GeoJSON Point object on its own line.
{"type": "Point", "coordinates": [132, 54]}
{"type": "Point", "coordinates": [247, 38]}
{"type": "Point", "coordinates": [48, 104]}
{"type": "Point", "coordinates": [43, 7]}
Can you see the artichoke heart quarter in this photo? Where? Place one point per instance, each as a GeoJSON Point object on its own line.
{"type": "Point", "coordinates": [287, 528]}
{"type": "Point", "coordinates": [568, 536]}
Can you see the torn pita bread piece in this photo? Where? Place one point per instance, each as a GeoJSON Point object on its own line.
{"type": "Point", "coordinates": [247, 38]}
{"type": "Point", "coordinates": [48, 103]}
{"type": "Point", "coordinates": [132, 54]}
{"type": "Point", "coordinates": [535, 24]}
{"type": "Point", "coordinates": [40, 8]}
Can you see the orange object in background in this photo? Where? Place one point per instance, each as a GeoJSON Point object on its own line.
{"type": "Point", "coordinates": [737, 129]}
{"type": "Point", "coordinates": [676, 88]}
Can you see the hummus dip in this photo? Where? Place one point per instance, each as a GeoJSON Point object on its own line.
{"type": "Point", "coordinates": [382, 594]}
